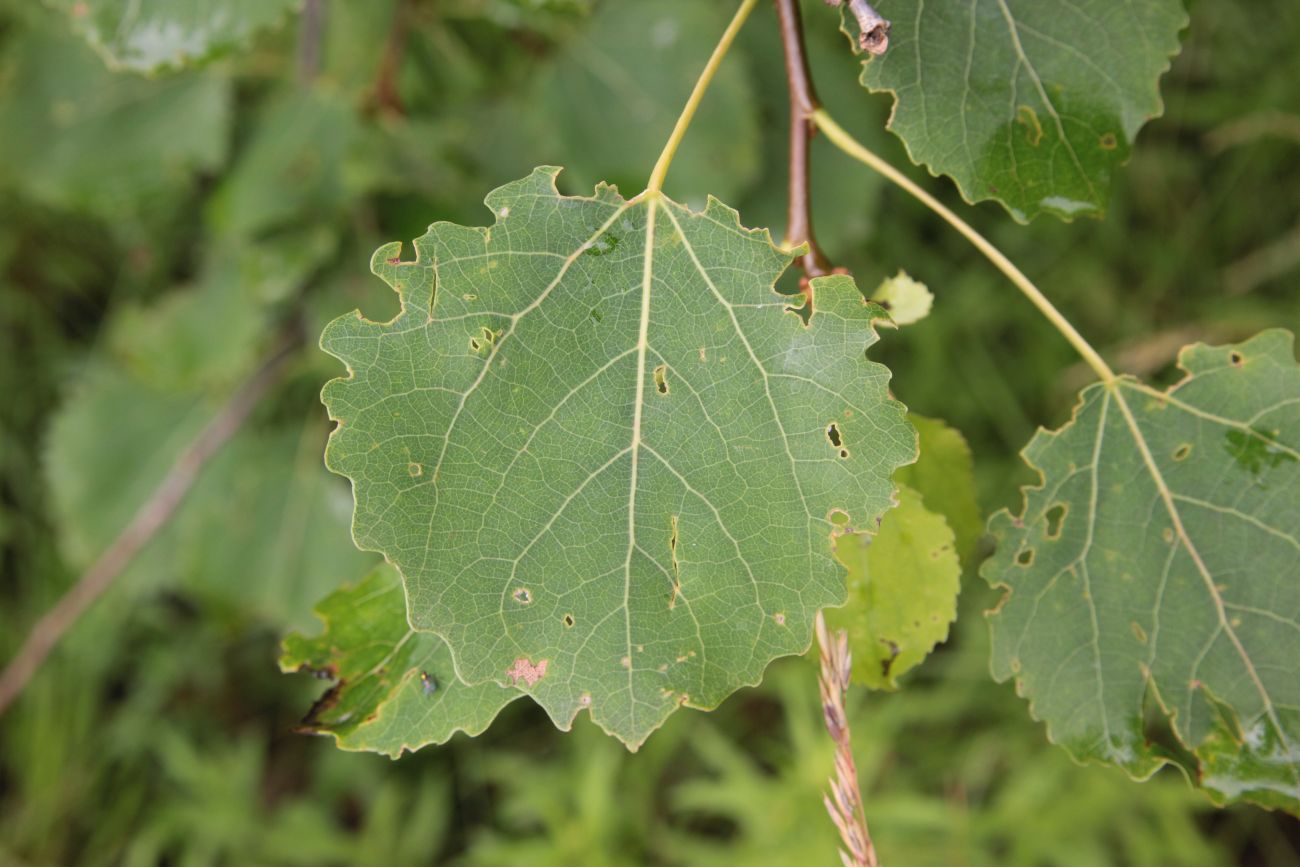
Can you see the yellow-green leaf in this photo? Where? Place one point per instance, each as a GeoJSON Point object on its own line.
{"type": "Point", "coordinates": [903, 586]}
{"type": "Point", "coordinates": [908, 300]}
{"type": "Point", "coordinates": [944, 475]}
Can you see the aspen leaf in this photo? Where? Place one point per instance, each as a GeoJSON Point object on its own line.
{"type": "Point", "coordinates": [605, 454]}
{"type": "Point", "coordinates": [1033, 103]}
{"type": "Point", "coordinates": [1157, 562]}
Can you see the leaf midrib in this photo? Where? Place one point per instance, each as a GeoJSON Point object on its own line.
{"type": "Point", "coordinates": [642, 343]}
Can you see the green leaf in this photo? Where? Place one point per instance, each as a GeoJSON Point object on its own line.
{"type": "Point", "coordinates": [291, 169]}
{"type": "Point", "coordinates": [1030, 102]}
{"type": "Point", "coordinates": [78, 136]}
{"type": "Point", "coordinates": [568, 6]}
{"type": "Point", "coordinates": [263, 530]}
{"type": "Point", "coordinates": [157, 35]}
{"type": "Point", "coordinates": [211, 334]}
{"type": "Point", "coordinates": [903, 586]}
{"type": "Point", "coordinates": [605, 454]}
{"type": "Point", "coordinates": [396, 689]}
{"type": "Point", "coordinates": [1158, 561]}
{"type": "Point", "coordinates": [944, 476]}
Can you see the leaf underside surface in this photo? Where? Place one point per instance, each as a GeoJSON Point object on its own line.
{"type": "Point", "coordinates": [1033, 103]}
{"type": "Point", "coordinates": [601, 456]}
{"type": "Point", "coordinates": [1156, 574]}
{"type": "Point", "coordinates": [396, 689]}
{"type": "Point", "coordinates": [60, 108]}
{"type": "Point", "coordinates": [156, 35]}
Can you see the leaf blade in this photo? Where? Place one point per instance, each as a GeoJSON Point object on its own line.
{"type": "Point", "coordinates": [625, 571]}
{"type": "Point", "coordinates": [903, 586]}
{"type": "Point", "coordinates": [1169, 577]}
{"type": "Point", "coordinates": [1050, 95]}
{"type": "Point", "coordinates": [944, 476]}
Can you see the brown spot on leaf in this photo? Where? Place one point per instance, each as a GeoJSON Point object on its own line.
{"type": "Point", "coordinates": [524, 669]}
{"type": "Point", "coordinates": [677, 571]}
{"type": "Point", "coordinates": [661, 379]}
{"type": "Point", "coordinates": [888, 662]}
{"type": "Point", "coordinates": [313, 722]}
{"type": "Point", "coordinates": [1028, 118]}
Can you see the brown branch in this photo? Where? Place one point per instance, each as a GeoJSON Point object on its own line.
{"type": "Point", "coordinates": [151, 517]}
{"type": "Point", "coordinates": [311, 33]}
{"type": "Point", "coordinates": [385, 97]}
{"type": "Point", "coordinates": [845, 807]}
{"type": "Point", "coordinates": [803, 102]}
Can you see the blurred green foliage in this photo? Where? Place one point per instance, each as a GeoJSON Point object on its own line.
{"type": "Point", "coordinates": [143, 218]}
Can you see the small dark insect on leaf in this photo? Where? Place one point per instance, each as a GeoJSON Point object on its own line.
{"type": "Point", "coordinates": [429, 682]}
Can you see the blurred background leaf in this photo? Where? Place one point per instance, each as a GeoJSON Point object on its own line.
{"type": "Point", "coordinates": [155, 35]}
